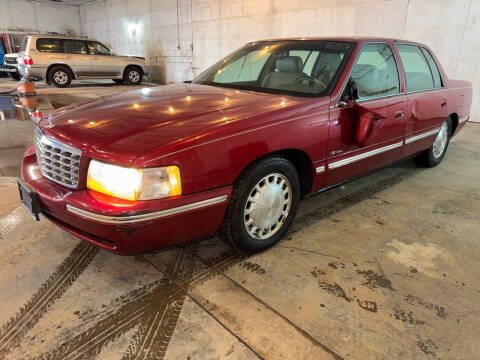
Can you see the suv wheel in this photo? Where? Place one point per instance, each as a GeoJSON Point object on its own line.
{"type": "Point", "coordinates": [133, 76]}
{"type": "Point", "coordinates": [60, 76]}
{"type": "Point", "coordinates": [263, 204]}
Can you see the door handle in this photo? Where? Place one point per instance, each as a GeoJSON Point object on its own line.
{"type": "Point", "coordinates": [399, 115]}
{"type": "Point", "coordinates": [443, 103]}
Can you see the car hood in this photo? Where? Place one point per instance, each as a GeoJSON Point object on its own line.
{"type": "Point", "coordinates": [118, 128]}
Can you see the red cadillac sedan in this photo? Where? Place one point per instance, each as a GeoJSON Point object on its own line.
{"type": "Point", "coordinates": [236, 149]}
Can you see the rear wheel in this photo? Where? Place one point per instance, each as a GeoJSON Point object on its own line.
{"type": "Point", "coordinates": [60, 76]}
{"type": "Point", "coordinates": [434, 155]}
{"type": "Point", "coordinates": [263, 204]}
{"type": "Point", "coordinates": [133, 75]}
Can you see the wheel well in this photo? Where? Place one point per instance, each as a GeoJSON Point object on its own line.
{"type": "Point", "coordinates": [454, 118]}
{"type": "Point", "coordinates": [300, 160]}
{"type": "Point", "coordinates": [132, 66]}
{"type": "Point", "coordinates": [65, 66]}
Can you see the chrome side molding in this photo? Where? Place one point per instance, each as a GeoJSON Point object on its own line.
{"type": "Point", "coordinates": [343, 162]}
{"type": "Point", "coordinates": [131, 219]}
{"type": "Point", "coordinates": [320, 169]}
{"type": "Point", "coordinates": [421, 136]}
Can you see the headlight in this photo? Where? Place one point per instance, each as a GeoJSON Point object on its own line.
{"type": "Point", "coordinates": [134, 184]}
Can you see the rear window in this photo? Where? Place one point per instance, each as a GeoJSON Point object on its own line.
{"type": "Point", "coordinates": [417, 71]}
{"type": "Point", "coordinates": [74, 47]}
{"type": "Point", "coordinates": [437, 80]}
{"type": "Point", "coordinates": [48, 45]}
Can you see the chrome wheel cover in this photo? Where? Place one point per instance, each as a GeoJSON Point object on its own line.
{"type": "Point", "coordinates": [60, 77]}
{"type": "Point", "coordinates": [267, 206]}
{"type": "Point", "coordinates": [440, 141]}
{"type": "Point", "coordinates": [133, 76]}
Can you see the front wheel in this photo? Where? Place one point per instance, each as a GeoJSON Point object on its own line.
{"type": "Point", "coordinates": [263, 204]}
{"type": "Point", "coordinates": [133, 76]}
{"type": "Point", "coordinates": [434, 155]}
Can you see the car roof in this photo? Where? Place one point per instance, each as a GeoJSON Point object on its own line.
{"type": "Point", "coordinates": [75, 37]}
{"type": "Point", "coordinates": [355, 39]}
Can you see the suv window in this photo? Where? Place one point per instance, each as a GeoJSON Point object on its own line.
{"type": "Point", "coordinates": [97, 49]}
{"type": "Point", "coordinates": [74, 47]}
{"type": "Point", "coordinates": [437, 80]}
{"type": "Point", "coordinates": [417, 71]}
{"type": "Point", "coordinates": [49, 45]}
{"type": "Point", "coordinates": [376, 72]}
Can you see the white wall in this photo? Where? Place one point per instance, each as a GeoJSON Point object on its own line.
{"type": "Point", "coordinates": [30, 16]}
{"type": "Point", "coordinates": [209, 29]}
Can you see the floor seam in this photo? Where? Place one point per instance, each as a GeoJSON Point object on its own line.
{"type": "Point", "coordinates": [298, 328]}
{"type": "Point", "coordinates": [204, 309]}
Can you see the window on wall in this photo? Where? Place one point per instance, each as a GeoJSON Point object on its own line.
{"type": "Point", "coordinates": [48, 45]}
{"type": "Point", "coordinates": [437, 80]}
{"type": "Point", "coordinates": [74, 47]}
{"type": "Point", "coordinates": [376, 72]}
{"type": "Point", "coordinates": [417, 71]}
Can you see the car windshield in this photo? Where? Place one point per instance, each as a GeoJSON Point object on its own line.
{"type": "Point", "coordinates": [300, 68]}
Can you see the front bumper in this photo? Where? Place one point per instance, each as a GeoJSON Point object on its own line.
{"type": "Point", "coordinates": [126, 227]}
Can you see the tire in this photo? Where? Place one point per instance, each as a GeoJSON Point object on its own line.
{"type": "Point", "coordinates": [133, 75]}
{"type": "Point", "coordinates": [434, 155]}
{"type": "Point", "coordinates": [60, 76]}
{"type": "Point", "coordinates": [14, 76]}
{"type": "Point", "coordinates": [274, 183]}
{"type": "Point", "coordinates": [118, 81]}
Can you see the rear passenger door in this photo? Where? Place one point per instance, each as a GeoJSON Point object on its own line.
{"type": "Point", "coordinates": [51, 51]}
{"type": "Point", "coordinates": [427, 98]}
{"type": "Point", "coordinates": [76, 56]}
{"type": "Point", "coordinates": [379, 89]}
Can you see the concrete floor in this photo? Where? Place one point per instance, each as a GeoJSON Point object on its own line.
{"type": "Point", "coordinates": [384, 267]}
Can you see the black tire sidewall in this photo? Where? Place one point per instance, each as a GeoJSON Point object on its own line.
{"type": "Point", "coordinates": [65, 70]}
{"type": "Point", "coordinates": [240, 235]}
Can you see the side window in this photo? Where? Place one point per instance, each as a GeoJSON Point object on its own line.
{"type": "Point", "coordinates": [48, 45]}
{"type": "Point", "coordinates": [74, 47]}
{"type": "Point", "coordinates": [437, 80]}
{"type": "Point", "coordinates": [376, 72]}
{"type": "Point", "coordinates": [97, 49]}
{"type": "Point", "coordinates": [417, 71]}
{"type": "Point", "coordinates": [246, 68]}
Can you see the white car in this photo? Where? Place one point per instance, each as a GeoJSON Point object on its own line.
{"type": "Point", "coordinates": [59, 59]}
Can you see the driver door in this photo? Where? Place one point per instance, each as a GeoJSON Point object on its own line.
{"type": "Point", "coordinates": [380, 91]}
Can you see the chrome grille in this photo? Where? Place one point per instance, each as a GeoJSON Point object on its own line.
{"type": "Point", "coordinates": [58, 162]}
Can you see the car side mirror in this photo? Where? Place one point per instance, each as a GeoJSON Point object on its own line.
{"type": "Point", "coordinates": [349, 95]}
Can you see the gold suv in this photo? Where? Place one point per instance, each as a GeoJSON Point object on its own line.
{"type": "Point", "coordinates": [60, 59]}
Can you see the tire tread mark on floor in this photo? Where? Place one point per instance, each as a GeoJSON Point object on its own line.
{"type": "Point", "coordinates": [347, 200]}
{"type": "Point", "coordinates": [9, 222]}
{"type": "Point", "coordinates": [63, 277]}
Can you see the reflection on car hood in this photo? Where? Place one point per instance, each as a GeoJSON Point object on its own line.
{"type": "Point", "coordinates": [123, 126]}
